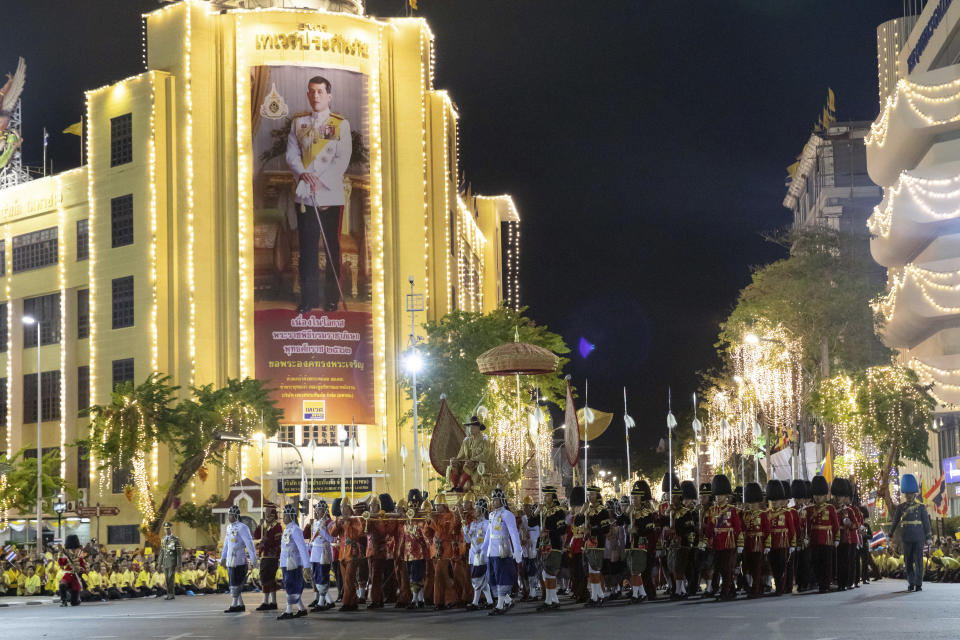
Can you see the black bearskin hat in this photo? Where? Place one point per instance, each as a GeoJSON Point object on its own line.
{"type": "Point", "coordinates": [838, 488]}
{"type": "Point", "coordinates": [753, 493]}
{"type": "Point", "coordinates": [774, 490]}
{"type": "Point", "coordinates": [798, 489]}
{"type": "Point", "coordinates": [73, 542]}
{"type": "Point", "coordinates": [665, 484]}
{"type": "Point", "coordinates": [688, 490]}
{"type": "Point", "coordinates": [705, 489]}
{"type": "Point", "coordinates": [720, 486]}
{"type": "Point", "coordinates": [818, 486]}
{"type": "Point", "coordinates": [786, 489]}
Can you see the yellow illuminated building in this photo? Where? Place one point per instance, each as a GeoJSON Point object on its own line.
{"type": "Point", "coordinates": [144, 259]}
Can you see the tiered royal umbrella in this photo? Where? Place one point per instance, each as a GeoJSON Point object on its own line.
{"type": "Point", "coordinates": [515, 359]}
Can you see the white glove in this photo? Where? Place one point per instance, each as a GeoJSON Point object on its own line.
{"type": "Point", "coordinates": [766, 550]}
{"type": "Point", "coordinates": [792, 549]}
{"type": "Point", "coordinates": [836, 544]}
{"type": "Point", "coordinates": [659, 553]}
{"type": "Point", "coordinates": [519, 559]}
{"type": "Point", "coordinates": [846, 522]}
{"type": "Point", "coordinates": [739, 549]}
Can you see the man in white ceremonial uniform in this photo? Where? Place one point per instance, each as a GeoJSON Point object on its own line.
{"type": "Point", "coordinates": [503, 550]}
{"type": "Point", "coordinates": [237, 547]}
{"type": "Point", "coordinates": [318, 153]}
{"type": "Point", "coordinates": [293, 558]}
{"type": "Point", "coordinates": [474, 534]}
{"type": "Point", "coordinates": [321, 556]}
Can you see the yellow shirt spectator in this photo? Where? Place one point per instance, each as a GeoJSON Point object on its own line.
{"type": "Point", "coordinates": [199, 577]}
{"type": "Point", "coordinates": [21, 584]}
{"type": "Point", "coordinates": [158, 580]}
{"type": "Point", "coordinates": [179, 577]}
{"type": "Point", "coordinates": [93, 579]}
{"type": "Point", "coordinates": [52, 583]}
{"type": "Point", "coordinates": [116, 579]}
{"type": "Point", "coordinates": [210, 582]}
{"type": "Point", "coordinates": [32, 586]}
{"type": "Point", "coordinates": [12, 576]}
{"type": "Point", "coordinates": [222, 576]}
{"type": "Point", "coordinates": [128, 578]}
{"type": "Point", "coordinates": [253, 575]}
{"type": "Point", "coordinates": [143, 579]}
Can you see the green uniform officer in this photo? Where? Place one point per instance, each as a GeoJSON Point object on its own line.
{"type": "Point", "coordinates": [171, 554]}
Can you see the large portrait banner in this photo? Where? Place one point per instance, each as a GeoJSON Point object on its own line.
{"type": "Point", "coordinates": [313, 323]}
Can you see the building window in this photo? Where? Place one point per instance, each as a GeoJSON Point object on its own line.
{"type": "Point", "coordinates": [83, 467]}
{"type": "Point", "coordinates": [121, 220]}
{"type": "Point", "coordinates": [83, 314]}
{"type": "Point", "coordinates": [46, 311]}
{"type": "Point", "coordinates": [120, 478]}
{"type": "Point", "coordinates": [122, 302]}
{"type": "Point", "coordinates": [128, 534]}
{"type": "Point", "coordinates": [3, 327]}
{"type": "Point", "coordinates": [34, 250]}
{"type": "Point", "coordinates": [122, 371]}
{"type": "Point", "coordinates": [83, 388]}
{"type": "Point", "coordinates": [332, 434]}
{"type": "Point", "coordinates": [287, 433]}
{"type": "Point", "coordinates": [3, 401]}
{"type": "Point", "coordinates": [3, 257]}
{"type": "Point", "coordinates": [49, 396]}
{"type": "Point", "coordinates": [311, 432]}
{"type": "Point", "coordinates": [121, 139]}
{"type": "Point", "coordinates": [83, 239]}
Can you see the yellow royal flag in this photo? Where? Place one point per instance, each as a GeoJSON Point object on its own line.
{"type": "Point", "coordinates": [595, 427]}
{"type": "Point", "coordinates": [147, 551]}
{"type": "Point", "coordinates": [413, 4]}
{"type": "Point", "coordinates": [831, 100]}
{"type": "Point", "coordinates": [827, 470]}
{"type": "Point", "coordinates": [76, 129]}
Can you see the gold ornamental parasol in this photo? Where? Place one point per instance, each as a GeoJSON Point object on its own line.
{"type": "Point", "coordinates": [517, 358]}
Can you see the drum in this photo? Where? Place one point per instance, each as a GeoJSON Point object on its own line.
{"type": "Point", "coordinates": [636, 561]}
{"type": "Point", "coordinates": [594, 558]}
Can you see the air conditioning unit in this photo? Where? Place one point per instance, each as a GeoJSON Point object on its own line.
{"type": "Point", "coordinates": [82, 500]}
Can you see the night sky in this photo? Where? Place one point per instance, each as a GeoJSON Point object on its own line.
{"type": "Point", "coordinates": [645, 144]}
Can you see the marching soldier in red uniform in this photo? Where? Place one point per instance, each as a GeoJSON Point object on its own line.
{"type": "Point", "coordinates": [824, 531]}
{"type": "Point", "coordinates": [803, 565]}
{"type": "Point", "coordinates": [849, 539]}
{"type": "Point", "coordinates": [756, 533]}
{"type": "Point", "coordinates": [783, 536]}
{"type": "Point", "coordinates": [723, 534]}
{"type": "Point", "coordinates": [349, 529]}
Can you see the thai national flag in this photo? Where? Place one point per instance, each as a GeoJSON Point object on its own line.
{"type": "Point", "coordinates": [879, 539]}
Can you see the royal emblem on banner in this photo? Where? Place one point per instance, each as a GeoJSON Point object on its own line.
{"type": "Point", "coordinates": [274, 107]}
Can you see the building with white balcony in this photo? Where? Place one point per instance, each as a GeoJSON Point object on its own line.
{"type": "Point", "coordinates": [913, 153]}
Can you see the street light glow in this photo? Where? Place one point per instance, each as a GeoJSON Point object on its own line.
{"type": "Point", "coordinates": [413, 362]}
{"type": "Point", "coordinates": [752, 338]}
{"type": "Point", "coordinates": [29, 320]}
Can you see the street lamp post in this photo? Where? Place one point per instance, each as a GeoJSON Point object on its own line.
{"type": "Point", "coordinates": [28, 320]}
{"type": "Point", "coordinates": [59, 507]}
{"type": "Point", "coordinates": [414, 363]}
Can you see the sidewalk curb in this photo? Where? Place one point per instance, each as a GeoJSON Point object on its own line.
{"type": "Point", "coordinates": [26, 603]}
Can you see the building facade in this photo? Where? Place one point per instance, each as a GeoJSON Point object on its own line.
{"type": "Point", "coordinates": [830, 187]}
{"type": "Point", "coordinates": [913, 152]}
{"type": "Point", "coordinates": [175, 248]}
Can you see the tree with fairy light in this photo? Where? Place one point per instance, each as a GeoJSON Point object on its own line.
{"type": "Point", "coordinates": [124, 432]}
{"type": "Point", "coordinates": [18, 488]}
{"type": "Point", "coordinates": [450, 352]}
{"type": "Point", "coordinates": [882, 414]}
